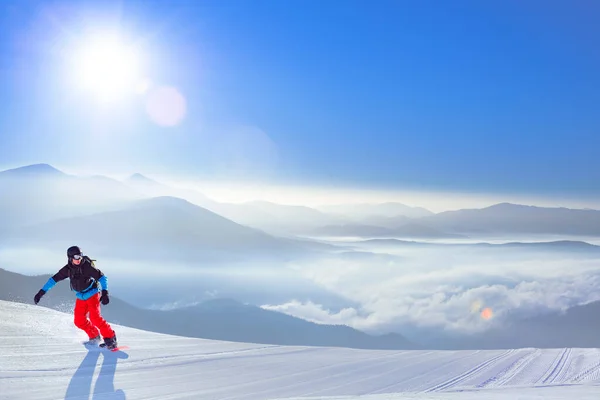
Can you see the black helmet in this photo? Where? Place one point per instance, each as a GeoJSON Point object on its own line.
{"type": "Point", "coordinates": [73, 251]}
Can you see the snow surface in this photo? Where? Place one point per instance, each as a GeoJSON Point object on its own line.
{"type": "Point", "coordinates": [41, 357]}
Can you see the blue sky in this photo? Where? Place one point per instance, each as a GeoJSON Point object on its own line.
{"type": "Point", "coordinates": [495, 96]}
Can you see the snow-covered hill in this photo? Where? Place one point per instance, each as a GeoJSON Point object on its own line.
{"type": "Point", "coordinates": [41, 357]}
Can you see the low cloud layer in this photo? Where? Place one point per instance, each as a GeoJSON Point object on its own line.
{"type": "Point", "coordinates": [449, 289]}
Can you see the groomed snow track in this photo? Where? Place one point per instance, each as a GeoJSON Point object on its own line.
{"type": "Point", "coordinates": [41, 357]}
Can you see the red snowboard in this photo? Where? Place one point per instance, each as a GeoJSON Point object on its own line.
{"type": "Point", "coordinates": [118, 348]}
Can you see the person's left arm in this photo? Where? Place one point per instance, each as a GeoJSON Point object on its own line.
{"type": "Point", "coordinates": [103, 280]}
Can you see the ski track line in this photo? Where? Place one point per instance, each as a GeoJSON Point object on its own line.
{"type": "Point", "coordinates": [261, 389]}
{"type": "Point", "coordinates": [593, 371]}
{"type": "Point", "coordinates": [361, 367]}
{"type": "Point", "coordinates": [139, 365]}
{"type": "Point", "coordinates": [442, 366]}
{"type": "Point", "coordinates": [507, 374]}
{"type": "Point", "coordinates": [150, 363]}
{"type": "Point", "coordinates": [226, 354]}
{"type": "Point", "coordinates": [197, 356]}
{"type": "Point", "coordinates": [556, 369]}
{"type": "Point", "coordinates": [393, 370]}
{"type": "Point", "coordinates": [220, 389]}
{"type": "Point", "coordinates": [470, 373]}
{"type": "Point", "coordinates": [49, 353]}
{"type": "Point", "coordinates": [566, 367]}
{"type": "Point", "coordinates": [52, 349]}
{"type": "Point", "coordinates": [576, 365]}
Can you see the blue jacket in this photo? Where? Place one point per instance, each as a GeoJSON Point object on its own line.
{"type": "Point", "coordinates": [86, 280]}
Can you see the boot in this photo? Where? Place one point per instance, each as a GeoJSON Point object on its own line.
{"type": "Point", "coordinates": [111, 343]}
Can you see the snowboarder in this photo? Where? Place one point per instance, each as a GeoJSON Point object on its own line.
{"type": "Point", "coordinates": [86, 281]}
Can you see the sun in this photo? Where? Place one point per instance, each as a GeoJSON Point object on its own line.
{"type": "Point", "coordinates": [107, 67]}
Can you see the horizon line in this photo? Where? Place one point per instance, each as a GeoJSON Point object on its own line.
{"type": "Point", "coordinates": [220, 190]}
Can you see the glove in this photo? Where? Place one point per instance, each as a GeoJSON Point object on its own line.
{"type": "Point", "coordinates": [38, 296]}
{"type": "Point", "coordinates": [104, 298]}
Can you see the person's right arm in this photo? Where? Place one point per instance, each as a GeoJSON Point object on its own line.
{"type": "Point", "coordinates": [62, 274]}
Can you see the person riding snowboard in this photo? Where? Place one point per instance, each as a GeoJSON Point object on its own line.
{"type": "Point", "coordinates": [85, 280]}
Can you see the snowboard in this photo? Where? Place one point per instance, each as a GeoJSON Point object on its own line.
{"type": "Point", "coordinates": [118, 348]}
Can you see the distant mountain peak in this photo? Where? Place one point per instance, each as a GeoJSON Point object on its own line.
{"type": "Point", "coordinates": [506, 204]}
{"type": "Point", "coordinates": [139, 178]}
{"type": "Point", "coordinates": [34, 169]}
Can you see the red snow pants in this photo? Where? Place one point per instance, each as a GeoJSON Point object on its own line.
{"type": "Point", "coordinates": [96, 322]}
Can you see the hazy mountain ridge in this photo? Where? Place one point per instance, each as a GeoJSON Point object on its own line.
{"type": "Point", "coordinates": [66, 195]}
{"type": "Point", "coordinates": [41, 193]}
{"type": "Point", "coordinates": [163, 228]}
{"type": "Point", "coordinates": [561, 245]}
{"type": "Point", "coordinates": [37, 170]}
{"type": "Point", "coordinates": [153, 188]}
{"type": "Point", "coordinates": [222, 319]}
{"type": "Point", "coordinates": [497, 219]}
{"type": "Point", "coordinates": [406, 230]}
{"type": "Point", "coordinates": [376, 210]}
{"type": "Point", "coordinates": [290, 219]}
{"type": "Point", "coordinates": [272, 217]}
{"type": "Point", "coordinates": [276, 218]}
{"type": "Point", "coordinates": [508, 218]}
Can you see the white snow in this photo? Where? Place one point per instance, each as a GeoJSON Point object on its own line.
{"type": "Point", "coordinates": [41, 357]}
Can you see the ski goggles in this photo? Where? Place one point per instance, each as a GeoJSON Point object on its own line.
{"type": "Point", "coordinates": [77, 257]}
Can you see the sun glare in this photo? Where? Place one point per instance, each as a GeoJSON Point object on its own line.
{"type": "Point", "coordinates": [108, 68]}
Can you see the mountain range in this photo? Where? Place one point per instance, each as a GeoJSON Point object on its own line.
{"type": "Point", "coordinates": [41, 193]}
{"type": "Point", "coordinates": [571, 246]}
{"type": "Point", "coordinates": [161, 228]}
{"type": "Point", "coordinates": [507, 218]}
{"type": "Point", "coordinates": [222, 319]}
{"type": "Point", "coordinates": [376, 210]}
{"type": "Point", "coordinates": [44, 208]}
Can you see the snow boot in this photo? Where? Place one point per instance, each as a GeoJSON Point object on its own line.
{"type": "Point", "coordinates": [110, 343]}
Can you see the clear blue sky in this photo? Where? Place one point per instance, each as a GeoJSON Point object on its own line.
{"type": "Point", "coordinates": [473, 95]}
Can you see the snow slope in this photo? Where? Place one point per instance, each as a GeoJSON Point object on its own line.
{"type": "Point", "coordinates": [41, 357]}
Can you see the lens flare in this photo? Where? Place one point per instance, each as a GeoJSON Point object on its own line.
{"type": "Point", "coordinates": [487, 313]}
{"type": "Point", "coordinates": [476, 306]}
{"type": "Point", "coordinates": [166, 106]}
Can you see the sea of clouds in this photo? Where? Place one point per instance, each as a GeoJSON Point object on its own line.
{"type": "Point", "coordinates": [448, 288]}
